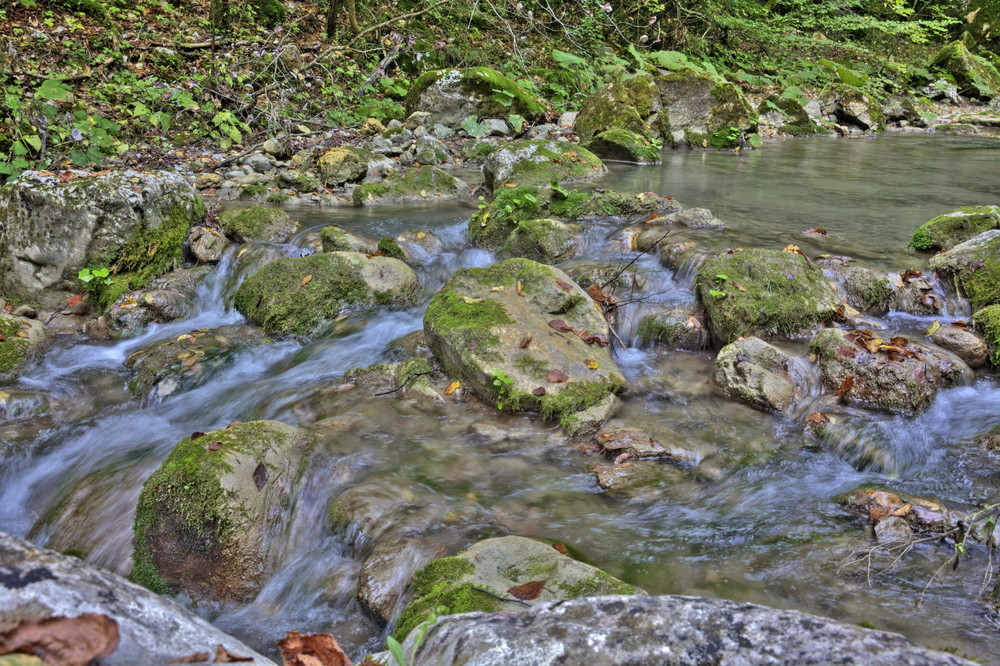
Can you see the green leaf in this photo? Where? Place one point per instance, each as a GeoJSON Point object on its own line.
{"type": "Point", "coordinates": [19, 148]}
{"type": "Point", "coordinates": [396, 650]}
{"type": "Point", "coordinates": [34, 141]}
{"type": "Point", "coordinates": [53, 89]}
{"type": "Point", "coordinates": [672, 60]}
{"type": "Point", "coordinates": [567, 60]}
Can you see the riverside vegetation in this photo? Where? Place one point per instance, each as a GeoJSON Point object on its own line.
{"type": "Point", "coordinates": [335, 324]}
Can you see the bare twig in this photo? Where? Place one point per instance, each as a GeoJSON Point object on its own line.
{"type": "Point", "coordinates": [413, 375]}
{"type": "Point", "coordinates": [383, 24]}
{"type": "Point", "coordinates": [496, 596]}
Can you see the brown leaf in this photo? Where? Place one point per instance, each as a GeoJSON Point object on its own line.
{"type": "Point", "coordinates": [520, 291]}
{"type": "Point", "coordinates": [74, 301]}
{"type": "Point", "coordinates": [911, 275]}
{"type": "Point", "coordinates": [224, 656]}
{"type": "Point", "coordinates": [817, 417]}
{"type": "Point", "coordinates": [692, 322]}
{"type": "Point", "coordinates": [919, 374]}
{"type": "Point", "coordinates": [63, 641]}
{"type": "Point", "coordinates": [819, 231]}
{"type": "Point", "coordinates": [899, 342]}
{"type": "Point", "coordinates": [234, 423]}
{"type": "Point", "coordinates": [215, 446]}
{"type": "Point", "coordinates": [3, 338]}
{"type": "Point", "coordinates": [566, 286]}
{"type": "Point", "coordinates": [539, 391]}
{"type": "Point", "coordinates": [306, 280]}
{"type": "Point", "coordinates": [738, 286]}
{"type": "Point", "coordinates": [98, 174]}
{"type": "Point", "coordinates": [452, 388]}
{"type": "Point", "coordinates": [561, 326]}
{"type": "Point", "coordinates": [528, 591]}
{"type": "Point", "coordinates": [845, 387]}
{"type": "Point", "coordinates": [525, 341]}
{"type": "Point", "coordinates": [511, 185]}
{"type": "Point", "coordinates": [21, 334]}
{"type": "Point", "coordinates": [595, 338]}
{"type": "Point", "coordinates": [561, 547]}
{"type": "Point", "coordinates": [557, 377]}
{"type": "Point", "coordinates": [195, 658]}
{"type": "Point", "coordinates": [311, 650]}
{"type": "Point", "coordinates": [260, 475]}
{"type": "Point", "coordinates": [622, 457]}
{"type": "Point", "coordinates": [846, 352]}
{"type": "Point", "coordinates": [67, 176]}
{"type": "Point", "coordinates": [964, 325]}
{"type": "Point", "coordinates": [196, 435]}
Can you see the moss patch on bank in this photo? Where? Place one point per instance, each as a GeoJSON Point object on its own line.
{"type": "Point", "coordinates": [954, 227]}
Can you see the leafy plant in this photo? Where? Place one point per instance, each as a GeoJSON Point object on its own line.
{"type": "Point", "coordinates": [474, 128]}
{"type": "Point", "coordinates": [503, 384]}
{"type": "Point", "coordinates": [92, 277]}
{"type": "Point", "coordinates": [419, 633]}
{"type": "Point", "coordinates": [716, 293]}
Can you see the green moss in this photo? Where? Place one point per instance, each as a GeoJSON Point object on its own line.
{"type": "Point", "coordinates": [413, 184]}
{"type": "Point", "coordinates": [661, 328]}
{"type": "Point", "coordinates": [544, 240]}
{"type": "Point", "coordinates": [576, 397]}
{"type": "Point", "coordinates": [14, 351]}
{"type": "Point", "coordinates": [982, 285]}
{"type": "Point", "coordinates": [954, 227]}
{"type": "Point", "coordinates": [497, 95]}
{"type": "Point", "coordinates": [869, 290]}
{"type": "Point", "coordinates": [277, 198]}
{"type": "Point", "coordinates": [412, 366]}
{"type": "Point", "coordinates": [975, 77]}
{"type": "Point", "coordinates": [253, 190]}
{"type": "Point", "coordinates": [624, 145]}
{"type": "Point", "coordinates": [600, 583]}
{"type": "Point", "coordinates": [268, 13]}
{"type": "Point", "coordinates": [448, 311]}
{"type": "Point", "coordinates": [477, 151]}
{"type": "Point", "coordinates": [987, 321]}
{"type": "Point", "coordinates": [540, 162]}
{"type": "Point", "coordinates": [253, 223]}
{"type": "Point", "coordinates": [623, 105]}
{"type": "Point", "coordinates": [491, 225]}
{"type": "Point", "coordinates": [434, 586]}
{"type": "Point", "coordinates": [391, 248]}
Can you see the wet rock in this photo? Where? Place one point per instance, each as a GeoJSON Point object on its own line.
{"type": "Point", "coordinates": [787, 116]}
{"type": "Point", "coordinates": [921, 515]}
{"type": "Point", "coordinates": [919, 293]}
{"type": "Point", "coordinates": [544, 350]}
{"type": "Point", "coordinates": [987, 321]}
{"type": "Point", "coordinates": [134, 223]}
{"type": "Point", "coordinates": [169, 297]}
{"type": "Point", "coordinates": [415, 184]}
{"type": "Point", "coordinates": [867, 290]}
{"type": "Point", "coordinates": [497, 565]}
{"type": "Point", "coordinates": [975, 267]}
{"type": "Point", "coordinates": [760, 374]}
{"type": "Point", "coordinates": [189, 360]}
{"type": "Point", "coordinates": [428, 150]}
{"type": "Point", "coordinates": [39, 584]}
{"type": "Point", "coordinates": [207, 244]}
{"type": "Point", "coordinates": [688, 631]}
{"type": "Point", "coordinates": [15, 405]}
{"type": "Point", "coordinates": [633, 444]}
{"type": "Point", "coordinates": [336, 239]}
{"type": "Point", "coordinates": [343, 165]}
{"type": "Point", "coordinates": [545, 240]}
{"type": "Point", "coordinates": [297, 295]}
{"type": "Point", "coordinates": [540, 162]}
{"type": "Point", "coordinates": [20, 338]}
{"type": "Point", "coordinates": [763, 293]}
{"type": "Point", "coordinates": [890, 374]}
{"type": "Point", "coordinates": [683, 255]}
{"type": "Point", "coordinates": [450, 96]}
{"type": "Point", "coordinates": [957, 226]}
{"type": "Point", "coordinates": [974, 77]}
{"type": "Point", "coordinates": [693, 218]}
{"type": "Point", "coordinates": [893, 530]}
{"type": "Point", "coordinates": [631, 104]}
{"type": "Point", "coordinates": [419, 244]}
{"type": "Point", "coordinates": [963, 343]}
{"type": "Point", "coordinates": [260, 223]}
{"type": "Point", "coordinates": [631, 477]}
{"type": "Point", "coordinates": [702, 111]}
{"type": "Point", "coordinates": [675, 329]}
{"type": "Point", "coordinates": [207, 515]}
{"type": "Point", "coordinates": [856, 109]}
{"type": "Point", "coordinates": [610, 276]}
{"type": "Point", "coordinates": [624, 146]}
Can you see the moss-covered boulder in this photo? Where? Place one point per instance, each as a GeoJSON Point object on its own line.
{"type": "Point", "coordinates": [760, 374]}
{"type": "Point", "coordinates": [787, 116]}
{"type": "Point", "coordinates": [974, 266]}
{"type": "Point", "coordinates": [452, 95]}
{"type": "Point", "coordinates": [674, 329]}
{"type": "Point", "coordinates": [524, 336]}
{"type": "Point", "coordinates": [297, 295]}
{"type": "Point", "coordinates": [957, 226]}
{"type": "Point", "coordinates": [189, 360]}
{"type": "Point", "coordinates": [884, 373]}
{"type": "Point", "coordinates": [624, 145]}
{"type": "Point", "coordinates": [497, 565]}
{"type": "Point", "coordinates": [424, 183]}
{"type": "Point", "coordinates": [132, 223]}
{"type": "Point", "coordinates": [546, 240]}
{"type": "Point", "coordinates": [703, 111]}
{"type": "Point", "coordinates": [856, 109]}
{"type": "Point", "coordinates": [336, 239]}
{"type": "Point", "coordinates": [257, 223]}
{"type": "Point", "coordinates": [975, 76]}
{"type": "Point", "coordinates": [343, 165]}
{"type": "Point", "coordinates": [866, 289]}
{"type": "Point", "coordinates": [19, 338]}
{"type": "Point", "coordinates": [988, 321]}
{"type": "Point", "coordinates": [493, 223]}
{"type": "Point", "coordinates": [764, 293]}
{"type": "Point", "coordinates": [206, 517]}
{"type": "Point", "coordinates": [629, 104]}
{"type": "Point", "coordinates": [539, 162]}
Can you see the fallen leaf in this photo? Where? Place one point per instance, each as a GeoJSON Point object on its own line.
{"type": "Point", "coordinates": [260, 475]}
{"type": "Point", "coordinates": [964, 325]}
{"type": "Point", "coordinates": [738, 286]}
{"type": "Point", "coordinates": [196, 435]}
{"type": "Point", "coordinates": [591, 363]}
{"type": "Point", "coordinates": [472, 301]}
{"type": "Point", "coordinates": [195, 658]}
{"type": "Point", "coordinates": [561, 547]}
{"type": "Point", "coordinates": [817, 417]}
{"type": "Point", "coordinates": [595, 338]}
{"type": "Point", "coordinates": [525, 341]}
{"type": "Point", "coordinates": [622, 457]}
{"type": "Point", "coordinates": [67, 176]}
{"type": "Point", "coordinates": [845, 387]}
{"type": "Point", "coordinates": [63, 641]}
{"type": "Point", "coordinates": [511, 185]}
{"type": "Point", "coordinates": [3, 337]}
{"type": "Point", "coordinates": [21, 334]}
{"type": "Point", "coordinates": [819, 231]}
{"type": "Point", "coordinates": [452, 388]}
{"type": "Point", "coordinates": [792, 248]}
{"type": "Point", "coordinates": [692, 322]}
{"type": "Point", "coordinates": [911, 275]}
{"type": "Point", "coordinates": [234, 423]}
{"type": "Point", "coordinates": [561, 326]}
{"type": "Point", "coordinates": [557, 377]}
{"type": "Point", "coordinates": [539, 391]}
{"type": "Point", "coordinates": [215, 446]}
{"type": "Point", "coordinates": [306, 280]}
{"type": "Point", "coordinates": [528, 591]}
{"type": "Point", "coordinates": [224, 656]}
{"type": "Point", "coordinates": [899, 342]}
{"type": "Point", "coordinates": [500, 288]}
{"type": "Point", "coordinates": [311, 650]}
{"type": "Point", "coordinates": [919, 374]}
{"type": "Point", "coordinates": [566, 286]}
{"type": "Point", "coordinates": [520, 291]}
{"type": "Point", "coordinates": [74, 301]}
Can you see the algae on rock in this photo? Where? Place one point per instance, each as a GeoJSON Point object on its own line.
{"type": "Point", "coordinates": [950, 229]}
{"type": "Point", "coordinates": [545, 240]}
{"type": "Point", "coordinates": [259, 223]}
{"type": "Point", "coordinates": [628, 104]}
{"type": "Point", "coordinates": [19, 337]}
{"type": "Point", "coordinates": [413, 184]}
{"type": "Point", "coordinates": [540, 162]}
{"type": "Point", "coordinates": [625, 146]}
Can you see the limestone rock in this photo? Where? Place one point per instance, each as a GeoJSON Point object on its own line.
{"type": "Point", "coordinates": [760, 374]}
{"type": "Point", "coordinates": [169, 297]}
{"type": "Point", "coordinates": [546, 240]}
{"type": "Point", "coordinates": [342, 165]}
{"type": "Point", "coordinates": [702, 111]}
{"type": "Point", "coordinates": [539, 163]}
{"type": "Point", "coordinates": [976, 77]}
{"type": "Point", "coordinates": [207, 244]}
{"type": "Point", "coordinates": [787, 116]}
{"type": "Point", "coordinates": [19, 339]}
{"type": "Point", "coordinates": [450, 96]}
{"type": "Point", "coordinates": [624, 146]}
{"type": "Point", "coordinates": [975, 268]}
{"type": "Point", "coordinates": [335, 239]}
{"type": "Point", "coordinates": [675, 329]}
{"type": "Point", "coordinates": [417, 184]}
{"type": "Point", "coordinates": [257, 223]}
{"type": "Point", "coordinates": [963, 343]}
{"type": "Point", "coordinates": [630, 104]}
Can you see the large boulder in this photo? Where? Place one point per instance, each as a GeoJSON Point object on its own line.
{"type": "Point", "coordinates": [206, 517]}
{"type": "Point", "coordinates": [425, 183]}
{"type": "Point", "coordinates": [168, 297]}
{"type": "Point", "coordinates": [19, 338]}
{"type": "Point", "coordinates": [497, 565]}
{"type": "Point", "coordinates": [452, 95]}
{"type": "Point", "coordinates": [760, 374]}
{"type": "Point", "coordinates": [297, 295]}
{"type": "Point", "coordinates": [703, 111]}
{"type": "Point", "coordinates": [963, 343]}
{"type": "Point", "coordinates": [975, 268]}
{"type": "Point", "coordinates": [524, 336]}
{"type": "Point", "coordinates": [763, 293]}
{"type": "Point", "coordinates": [867, 289]}
{"type": "Point", "coordinates": [133, 223]}
{"type": "Point", "coordinates": [891, 374]}
{"type": "Point", "coordinates": [546, 240]}
{"type": "Point", "coordinates": [38, 584]}
{"type": "Point", "coordinates": [854, 108]}
{"type": "Point", "coordinates": [260, 223]}
{"type": "Point", "coordinates": [540, 162]}
{"type": "Point", "coordinates": [624, 145]}
{"type": "Point", "coordinates": [975, 76]}
{"type": "Point", "coordinates": [957, 226]}
{"type": "Point", "coordinates": [787, 116]}
{"type": "Point", "coordinates": [341, 165]}
{"type": "Point", "coordinates": [629, 104]}
{"type": "Point", "coordinates": [685, 631]}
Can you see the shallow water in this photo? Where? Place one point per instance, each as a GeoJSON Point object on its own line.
{"type": "Point", "coordinates": [754, 519]}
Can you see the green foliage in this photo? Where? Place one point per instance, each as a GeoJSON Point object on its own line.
{"type": "Point", "coordinates": [474, 128]}
{"type": "Point", "coordinates": [92, 277]}
{"type": "Point", "coordinates": [504, 385]}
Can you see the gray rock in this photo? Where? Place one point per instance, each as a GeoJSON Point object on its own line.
{"type": "Point", "coordinates": [759, 374]}
{"type": "Point", "coordinates": [568, 119]}
{"type": "Point", "coordinates": [274, 147]}
{"type": "Point", "coordinates": [21, 337]}
{"type": "Point", "coordinates": [207, 180]}
{"type": "Point", "coordinates": [496, 126]}
{"type": "Point", "coordinates": [428, 150]}
{"type": "Point", "coordinates": [675, 630]}
{"type": "Point", "coordinates": [442, 131]}
{"type": "Point", "coordinates": [695, 218]}
{"type": "Point", "coordinates": [37, 583]}
{"type": "Point", "coordinates": [893, 529]}
{"type": "Point", "coordinates": [539, 162]}
{"type": "Point", "coordinates": [258, 162]}
{"type": "Point", "coordinates": [968, 346]}
{"type": "Point", "coordinates": [416, 119]}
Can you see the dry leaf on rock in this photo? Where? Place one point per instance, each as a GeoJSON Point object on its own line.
{"type": "Point", "coordinates": [528, 591]}
{"type": "Point", "coordinates": [63, 641]}
{"type": "Point", "coordinates": [299, 649]}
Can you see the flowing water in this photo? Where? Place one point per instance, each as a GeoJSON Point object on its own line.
{"type": "Point", "coordinates": [757, 519]}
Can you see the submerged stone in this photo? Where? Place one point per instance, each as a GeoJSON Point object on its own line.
{"type": "Point", "coordinates": [759, 374]}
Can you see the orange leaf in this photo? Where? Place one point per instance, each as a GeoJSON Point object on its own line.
{"type": "Point", "coordinates": [520, 292]}
{"type": "Point", "coordinates": [566, 286]}
{"type": "Point", "coordinates": [312, 650]}
{"type": "Point", "coordinates": [528, 591]}
{"type": "Point", "coordinates": [511, 185]}
{"type": "Point", "coordinates": [845, 387]}
{"type": "Point", "coordinates": [74, 301]}
{"type": "Point", "coordinates": [452, 388]}
{"type": "Point", "coordinates": [561, 547]}
{"type": "Point", "coordinates": [817, 417]}
{"type": "Point", "coordinates": [557, 377]}
{"type": "Point", "coordinates": [306, 280]}
{"type": "Point", "coordinates": [66, 176]}
{"type": "Point", "coordinates": [224, 656]}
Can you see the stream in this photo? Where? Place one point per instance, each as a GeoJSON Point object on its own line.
{"type": "Point", "coordinates": [760, 524]}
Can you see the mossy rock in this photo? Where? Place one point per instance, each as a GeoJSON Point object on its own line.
{"type": "Point", "coordinates": [260, 223]}
{"type": "Point", "coordinates": [788, 116]}
{"type": "Point", "coordinates": [975, 76]}
{"type": "Point", "coordinates": [19, 338]}
{"type": "Point", "coordinates": [674, 329]}
{"type": "Point", "coordinates": [335, 239]}
{"type": "Point", "coordinates": [759, 374]}
{"type": "Point", "coordinates": [496, 565]}
{"type": "Point", "coordinates": [539, 162]}
{"type": "Point", "coordinates": [343, 165]}
{"type": "Point", "coordinates": [476, 151]}
{"type": "Point", "coordinates": [297, 295]}
{"type": "Point", "coordinates": [424, 183]}
{"type": "Point", "coordinates": [545, 240]}
{"type": "Point", "coordinates": [974, 266]}
{"type": "Point", "coordinates": [867, 289]}
{"type": "Point", "coordinates": [699, 110]}
{"type": "Point", "coordinates": [856, 108]}
{"type": "Point", "coordinates": [490, 328]}
{"type": "Point", "coordinates": [624, 145]}
{"type": "Point", "coordinates": [957, 226]}
{"type": "Point", "coordinates": [763, 293]}
{"type": "Point", "coordinates": [452, 95]}
{"type": "Point", "coordinates": [987, 320]}
{"type": "Point", "coordinates": [205, 518]}
{"type": "Point", "coordinates": [629, 104]}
